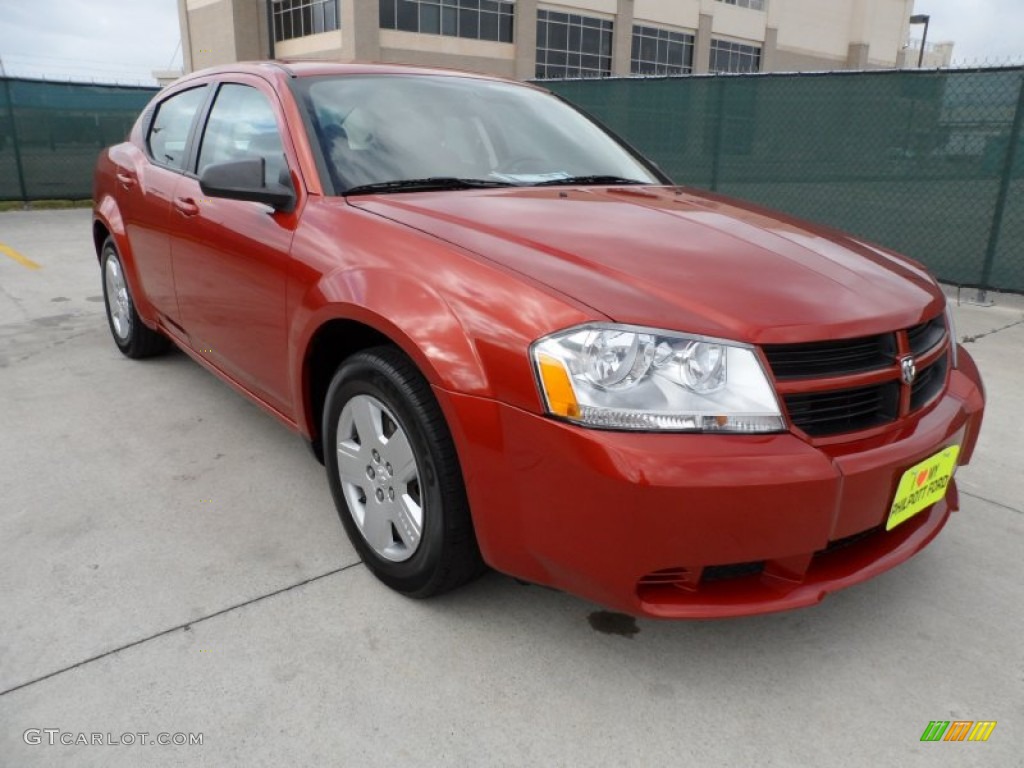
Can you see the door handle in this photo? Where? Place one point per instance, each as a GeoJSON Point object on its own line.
{"type": "Point", "coordinates": [186, 206]}
{"type": "Point", "coordinates": [127, 180]}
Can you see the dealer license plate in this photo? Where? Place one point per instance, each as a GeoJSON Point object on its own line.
{"type": "Point", "coordinates": [922, 485]}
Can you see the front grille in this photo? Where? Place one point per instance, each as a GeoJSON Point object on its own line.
{"type": "Point", "coordinates": [851, 408]}
{"type": "Point", "coordinates": [844, 410]}
{"type": "Point", "coordinates": [928, 384]}
{"type": "Point", "coordinates": [820, 359]}
{"type": "Point", "coordinates": [924, 337]}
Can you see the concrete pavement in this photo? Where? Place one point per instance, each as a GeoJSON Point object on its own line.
{"type": "Point", "coordinates": [171, 561]}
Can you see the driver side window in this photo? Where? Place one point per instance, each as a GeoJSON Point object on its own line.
{"type": "Point", "coordinates": [241, 126]}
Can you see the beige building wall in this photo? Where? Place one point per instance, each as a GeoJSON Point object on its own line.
{"type": "Point", "coordinates": [814, 29]}
{"type": "Point", "coordinates": [674, 13]}
{"type": "Point", "coordinates": [492, 58]}
{"type": "Point", "coordinates": [940, 56]}
{"type": "Point", "coordinates": [886, 29]}
{"type": "Point", "coordinates": [936, 55]}
{"type": "Point", "coordinates": [208, 28]}
{"type": "Point", "coordinates": [861, 34]}
{"type": "Point", "coordinates": [608, 7]}
{"type": "Point", "coordinates": [794, 35]}
{"type": "Point", "coordinates": [215, 32]}
{"type": "Point", "coordinates": [326, 45]}
{"type": "Point", "coordinates": [736, 23]}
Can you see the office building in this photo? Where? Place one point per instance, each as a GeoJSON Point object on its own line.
{"type": "Point", "coordinates": [529, 39]}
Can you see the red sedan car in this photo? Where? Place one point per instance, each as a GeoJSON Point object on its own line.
{"type": "Point", "coordinates": [513, 341]}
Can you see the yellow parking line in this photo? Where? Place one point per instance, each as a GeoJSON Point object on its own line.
{"type": "Point", "coordinates": [24, 261]}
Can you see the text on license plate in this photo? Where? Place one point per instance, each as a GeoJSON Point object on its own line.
{"type": "Point", "coordinates": [922, 485]}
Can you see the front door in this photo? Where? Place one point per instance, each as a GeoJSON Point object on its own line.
{"type": "Point", "coordinates": [231, 257]}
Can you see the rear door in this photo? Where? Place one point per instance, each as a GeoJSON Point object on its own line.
{"type": "Point", "coordinates": [146, 183]}
{"type": "Point", "coordinates": [231, 257]}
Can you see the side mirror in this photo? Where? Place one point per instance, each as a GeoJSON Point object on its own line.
{"type": "Point", "coordinates": [244, 180]}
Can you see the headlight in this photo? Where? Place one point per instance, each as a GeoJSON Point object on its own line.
{"type": "Point", "coordinates": [624, 377]}
{"type": "Point", "coordinates": [953, 341]}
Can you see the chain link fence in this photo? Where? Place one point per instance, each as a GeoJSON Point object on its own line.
{"type": "Point", "coordinates": [51, 133]}
{"type": "Point", "coordinates": [930, 164]}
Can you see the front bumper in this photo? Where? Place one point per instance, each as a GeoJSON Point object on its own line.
{"type": "Point", "coordinates": [688, 526]}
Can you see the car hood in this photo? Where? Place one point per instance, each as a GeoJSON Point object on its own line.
{"type": "Point", "coordinates": [674, 258]}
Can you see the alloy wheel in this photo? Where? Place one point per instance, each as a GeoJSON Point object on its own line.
{"type": "Point", "coordinates": [380, 478]}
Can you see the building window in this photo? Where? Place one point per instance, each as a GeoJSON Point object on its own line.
{"type": "Point", "coordinates": [734, 57]}
{"type": "Point", "coordinates": [475, 19]}
{"type": "Point", "coordinates": [298, 18]}
{"type": "Point", "coordinates": [755, 5]}
{"type": "Point", "coordinates": [569, 45]}
{"type": "Point", "coordinates": [661, 52]}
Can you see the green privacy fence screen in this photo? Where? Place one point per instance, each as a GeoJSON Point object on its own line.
{"type": "Point", "coordinates": [927, 163]}
{"type": "Point", "coordinates": [930, 163]}
{"type": "Point", "coordinates": [50, 134]}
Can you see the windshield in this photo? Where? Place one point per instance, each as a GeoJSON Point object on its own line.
{"type": "Point", "coordinates": [374, 129]}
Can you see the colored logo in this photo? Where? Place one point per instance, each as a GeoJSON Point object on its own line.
{"type": "Point", "coordinates": [958, 730]}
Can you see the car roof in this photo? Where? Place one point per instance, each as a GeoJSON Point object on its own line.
{"type": "Point", "coordinates": [284, 68]}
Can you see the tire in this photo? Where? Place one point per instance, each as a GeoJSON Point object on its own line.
{"type": "Point", "coordinates": [133, 337]}
{"type": "Point", "coordinates": [395, 476]}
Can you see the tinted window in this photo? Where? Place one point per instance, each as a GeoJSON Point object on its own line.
{"type": "Point", "coordinates": [171, 125]}
{"type": "Point", "coordinates": [477, 19]}
{"type": "Point", "coordinates": [388, 128]}
{"type": "Point", "coordinates": [298, 18]}
{"type": "Point", "coordinates": [570, 45]}
{"type": "Point", "coordinates": [661, 52]}
{"type": "Point", "coordinates": [242, 125]}
{"type": "Point", "coordinates": [727, 56]}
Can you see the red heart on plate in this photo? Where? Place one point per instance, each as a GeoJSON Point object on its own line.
{"type": "Point", "coordinates": [921, 477]}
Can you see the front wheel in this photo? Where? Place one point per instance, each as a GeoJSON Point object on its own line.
{"type": "Point", "coordinates": [395, 476]}
{"type": "Point", "coordinates": [133, 337]}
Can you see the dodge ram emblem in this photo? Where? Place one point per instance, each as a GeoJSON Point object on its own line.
{"type": "Point", "coordinates": [908, 370]}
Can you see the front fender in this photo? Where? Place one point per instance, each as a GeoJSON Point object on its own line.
{"type": "Point", "coordinates": [405, 310]}
{"type": "Point", "coordinates": [465, 321]}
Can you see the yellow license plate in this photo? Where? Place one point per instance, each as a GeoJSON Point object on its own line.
{"type": "Point", "coordinates": [922, 485]}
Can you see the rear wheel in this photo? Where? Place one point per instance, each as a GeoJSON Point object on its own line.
{"type": "Point", "coordinates": [395, 476]}
{"type": "Point", "coordinates": [133, 337]}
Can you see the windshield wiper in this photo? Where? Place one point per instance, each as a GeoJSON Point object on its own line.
{"type": "Point", "coordinates": [588, 180]}
{"type": "Point", "coordinates": [425, 185]}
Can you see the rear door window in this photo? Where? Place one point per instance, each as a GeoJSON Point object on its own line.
{"type": "Point", "coordinates": [169, 131]}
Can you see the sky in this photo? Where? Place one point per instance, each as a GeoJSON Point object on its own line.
{"type": "Point", "coordinates": [985, 31]}
{"type": "Point", "coordinates": [89, 40]}
{"type": "Point", "coordinates": [124, 40]}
